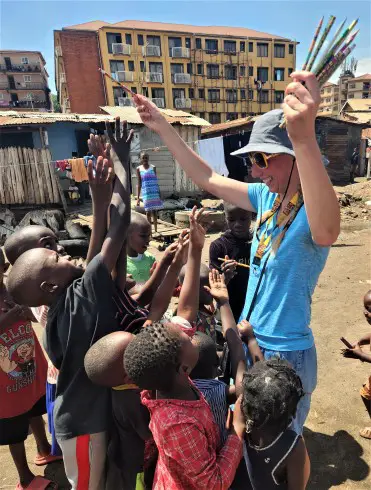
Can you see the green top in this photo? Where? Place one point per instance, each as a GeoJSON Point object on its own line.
{"type": "Point", "coordinates": [140, 266]}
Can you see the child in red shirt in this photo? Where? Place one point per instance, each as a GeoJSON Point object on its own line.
{"type": "Point", "coordinates": [23, 369]}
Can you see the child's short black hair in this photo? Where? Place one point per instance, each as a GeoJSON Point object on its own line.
{"type": "Point", "coordinates": [138, 220]}
{"type": "Point", "coordinates": [271, 393]}
{"type": "Point", "coordinates": [207, 364]}
{"type": "Point", "coordinates": [152, 358]}
{"type": "Point", "coordinates": [204, 273]}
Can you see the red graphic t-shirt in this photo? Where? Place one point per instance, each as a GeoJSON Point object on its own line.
{"type": "Point", "coordinates": [23, 369]}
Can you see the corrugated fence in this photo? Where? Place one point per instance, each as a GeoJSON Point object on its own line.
{"type": "Point", "coordinates": [27, 177]}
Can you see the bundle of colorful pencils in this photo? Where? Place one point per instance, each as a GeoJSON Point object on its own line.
{"type": "Point", "coordinates": [333, 55]}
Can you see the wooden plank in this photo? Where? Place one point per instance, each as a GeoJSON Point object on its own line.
{"type": "Point", "coordinates": [2, 169]}
{"type": "Point", "coordinates": [40, 184]}
{"type": "Point", "coordinates": [10, 175]}
{"type": "Point", "coordinates": [53, 178]}
{"type": "Point", "coordinates": [5, 177]}
{"type": "Point", "coordinates": [18, 184]}
{"type": "Point", "coordinates": [28, 184]}
{"type": "Point", "coordinates": [35, 177]}
{"type": "Point", "coordinates": [48, 186]}
{"type": "Point", "coordinates": [20, 171]}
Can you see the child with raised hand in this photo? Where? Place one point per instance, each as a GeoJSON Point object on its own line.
{"type": "Point", "coordinates": [23, 369]}
{"type": "Point", "coordinates": [82, 310]}
{"type": "Point", "coordinates": [159, 360]}
{"type": "Point", "coordinates": [218, 394]}
{"type": "Point", "coordinates": [275, 455]}
{"type": "Point", "coordinates": [358, 353]}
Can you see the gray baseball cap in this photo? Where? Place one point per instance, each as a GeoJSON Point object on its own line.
{"type": "Point", "coordinates": [267, 136]}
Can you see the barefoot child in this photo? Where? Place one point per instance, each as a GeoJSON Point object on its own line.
{"type": "Point", "coordinates": [23, 370]}
{"type": "Point", "coordinates": [82, 310]}
{"type": "Point", "coordinates": [365, 356]}
{"type": "Point", "coordinates": [159, 361]}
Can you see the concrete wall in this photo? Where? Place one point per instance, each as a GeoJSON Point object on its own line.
{"type": "Point", "coordinates": [62, 138]}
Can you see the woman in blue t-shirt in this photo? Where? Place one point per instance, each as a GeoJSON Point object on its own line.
{"type": "Point", "coordinates": [298, 219]}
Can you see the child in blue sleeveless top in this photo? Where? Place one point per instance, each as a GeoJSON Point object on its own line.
{"type": "Point", "coordinates": [275, 455]}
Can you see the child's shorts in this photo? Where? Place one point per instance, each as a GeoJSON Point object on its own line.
{"type": "Point", "coordinates": [15, 429]}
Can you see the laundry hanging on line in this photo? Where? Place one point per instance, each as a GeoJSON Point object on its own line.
{"type": "Point", "coordinates": [212, 151]}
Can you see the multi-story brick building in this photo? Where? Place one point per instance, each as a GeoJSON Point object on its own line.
{"type": "Point", "coordinates": [23, 81]}
{"type": "Point", "coordinates": [329, 99]}
{"type": "Point", "coordinates": [218, 73]}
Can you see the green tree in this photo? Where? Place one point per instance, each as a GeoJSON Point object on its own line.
{"type": "Point", "coordinates": [56, 105]}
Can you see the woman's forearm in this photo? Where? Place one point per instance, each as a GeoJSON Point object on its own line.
{"type": "Point", "coordinates": [320, 200]}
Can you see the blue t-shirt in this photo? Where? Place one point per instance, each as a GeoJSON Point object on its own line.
{"type": "Point", "coordinates": [282, 311]}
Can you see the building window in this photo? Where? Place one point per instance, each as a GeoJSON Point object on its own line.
{"type": "Point", "coordinates": [176, 68]}
{"type": "Point", "coordinates": [263, 96]}
{"type": "Point", "coordinates": [352, 85]}
{"type": "Point", "coordinates": [189, 68]}
{"type": "Point", "coordinates": [159, 93]}
{"type": "Point", "coordinates": [128, 38]}
{"type": "Point", "coordinates": [24, 60]}
{"type": "Point", "coordinates": [154, 41]}
{"type": "Point", "coordinates": [145, 91]}
{"type": "Point", "coordinates": [291, 70]}
{"type": "Point", "coordinates": [251, 71]}
{"type": "Point", "coordinates": [251, 47]}
{"type": "Point", "coordinates": [118, 93]}
{"type": "Point", "coordinates": [134, 90]}
{"type": "Point", "coordinates": [365, 95]}
{"type": "Point", "coordinates": [279, 95]}
{"type": "Point", "coordinates": [262, 74]}
{"type": "Point", "coordinates": [212, 71]}
{"type": "Point", "coordinates": [191, 93]}
{"type": "Point", "coordinates": [201, 93]}
{"type": "Point", "coordinates": [140, 40]}
{"type": "Point", "coordinates": [214, 117]}
{"type": "Point", "coordinates": [250, 94]}
{"type": "Point", "coordinates": [198, 43]}
{"type": "Point", "coordinates": [178, 93]}
{"type": "Point", "coordinates": [155, 67]}
{"type": "Point", "coordinates": [291, 49]}
{"type": "Point", "coordinates": [279, 50]}
{"type": "Point", "coordinates": [243, 114]}
{"type": "Point", "coordinates": [231, 72]}
{"type": "Point", "coordinates": [243, 94]}
{"type": "Point", "coordinates": [230, 47]}
{"type": "Point", "coordinates": [242, 46]}
{"type": "Point", "coordinates": [211, 45]}
{"type": "Point", "coordinates": [231, 96]}
{"type": "Point", "coordinates": [214, 95]}
{"type": "Point", "coordinates": [116, 66]}
{"type": "Point", "coordinates": [142, 66]}
{"type": "Point", "coordinates": [131, 66]}
{"type": "Point", "coordinates": [322, 91]}
{"type": "Point", "coordinates": [202, 115]}
{"type": "Point", "coordinates": [113, 38]}
{"type": "Point", "coordinates": [27, 78]}
{"type": "Point", "coordinates": [351, 96]}
{"type": "Point", "coordinates": [200, 69]}
{"type": "Point", "coordinates": [242, 71]}
{"type": "Point", "coordinates": [231, 116]}
{"type": "Point", "coordinates": [262, 50]}
{"type": "Point", "coordinates": [187, 42]}
{"type": "Point", "coordinates": [174, 42]}
{"type": "Point", "coordinates": [366, 85]}
{"type": "Point", "coordinates": [279, 74]}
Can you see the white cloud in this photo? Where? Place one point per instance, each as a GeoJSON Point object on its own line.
{"type": "Point", "coordinates": [364, 66]}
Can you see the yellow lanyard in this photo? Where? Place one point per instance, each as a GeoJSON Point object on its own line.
{"type": "Point", "coordinates": [265, 240]}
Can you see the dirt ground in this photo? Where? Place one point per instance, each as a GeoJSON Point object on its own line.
{"type": "Point", "coordinates": [340, 457]}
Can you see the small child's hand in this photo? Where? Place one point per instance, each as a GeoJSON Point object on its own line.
{"type": "Point", "coordinates": [182, 246]}
{"type": "Point", "coordinates": [228, 268]}
{"type": "Point", "coordinates": [120, 141]}
{"type": "Point", "coordinates": [100, 180]}
{"type": "Point", "coordinates": [218, 288]}
{"type": "Point", "coordinates": [355, 353]}
{"type": "Point", "coordinates": [246, 330]}
{"type": "Point", "coordinates": [239, 424]}
{"type": "Point", "coordinates": [197, 230]}
{"type": "Point", "coordinates": [98, 147]}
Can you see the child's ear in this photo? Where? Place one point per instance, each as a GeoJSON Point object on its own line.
{"type": "Point", "coordinates": [47, 287]}
{"type": "Point", "coordinates": [186, 369]}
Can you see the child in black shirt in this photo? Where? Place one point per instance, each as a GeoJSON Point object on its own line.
{"type": "Point", "coordinates": [234, 245]}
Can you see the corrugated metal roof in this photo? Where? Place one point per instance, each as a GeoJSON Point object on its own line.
{"type": "Point", "coordinates": [131, 115]}
{"type": "Point", "coordinates": [366, 76]}
{"type": "Point", "coordinates": [361, 117]}
{"type": "Point", "coordinates": [358, 104]}
{"type": "Point", "coordinates": [236, 123]}
{"type": "Point", "coordinates": [14, 118]}
{"type": "Point", "coordinates": [218, 31]}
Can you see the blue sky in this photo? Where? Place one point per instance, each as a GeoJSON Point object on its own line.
{"type": "Point", "coordinates": [29, 24]}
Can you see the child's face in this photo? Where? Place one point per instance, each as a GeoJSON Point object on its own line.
{"type": "Point", "coordinates": [189, 353]}
{"type": "Point", "coordinates": [239, 221]}
{"type": "Point", "coordinates": [138, 239]}
{"type": "Point", "coordinates": [144, 160]}
{"type": "Point", "coordinates": [205, 296]}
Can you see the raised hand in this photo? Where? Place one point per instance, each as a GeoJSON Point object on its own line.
{"type": "Point", "coordinates": [197, 230]}
{"type": "Point", "coordinates": [100, 180]}
{"type": "Point", "coordinates": [218, 288]}
{"type": "Point", "coordinates": [301, 105]}
{"type": "Point", "coordinates": [246, 330]}
{"type": "Point", "coordinates": [98, 147]}
{"type": "Point", "coordinates": [149, 113]}
{"type": "Point", "coordinates": [228, 268]}
{"type": "Point", "coordinates": [181, 251]}
{"type": "Point", "coordinates": [120, 140]}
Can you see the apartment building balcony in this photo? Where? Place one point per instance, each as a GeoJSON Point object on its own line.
{"type": "Point", "coordinates": [26, 104]}
{"type": "Point", "coordinates": [180, 52]}
{"type": "Point", "coordinates": [125, 102]}
{"type": "Point", "coordinates": [23, 68]}
{"type": "Point", "coordinates": [160, 103]}
{"type": "Point", "coordinates": [151, 50]}
{"type": "Point", "coordinates": [185, 103]}
{"type": "Point", "coordinates": [22, 86]}
{"type": "Point", "coordinates": [124, 76]}
{"type": "Point", "coordinates": [154, 77]}
{"type": "Point", "coordinates": [121, 48]}
{"type": "Point", "coordinates": [181, 78]}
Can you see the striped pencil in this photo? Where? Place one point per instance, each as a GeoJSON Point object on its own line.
{"type": "Point", "coordinates": [326, 76]}
{"type": "Point", "coordinates": [330, 45]}
{"type": "Point", "coordinates": [337, 44]}
{"type": "Point", "coordinates": [124, 87]}
{"type": "Point", "coordinates": [313, 43]}
{"type": "Point", "coordinates": [321, 41]}
{"type": "Point", "coordinates": [348, 42]}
